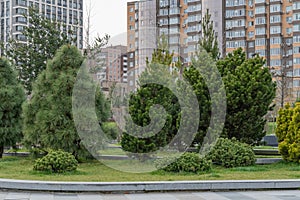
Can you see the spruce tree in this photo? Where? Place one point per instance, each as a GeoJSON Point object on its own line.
{"type": "Point", "coordinates": [11, 98]}
{"type": "Point", "coordinates": [48, 116]}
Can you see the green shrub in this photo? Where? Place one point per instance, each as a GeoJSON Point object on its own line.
{"type": "Point", "coordinates": [283, 122]}
{"type": "Point", "coordinates": [57, 162]}
{"type": "Point", "coordinates": [232, 153]}
{"type": "Point", "coordinates": [188, 162]}
{"type": "Point", "coordinates": [288, 133]}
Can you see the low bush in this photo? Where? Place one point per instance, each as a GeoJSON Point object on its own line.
{"type": "Point", "coordinates": [231, 153]}
{"type": "Point", "coordinates": [57, 162]}
{"type": "Point", "coordinates": [188, 162]}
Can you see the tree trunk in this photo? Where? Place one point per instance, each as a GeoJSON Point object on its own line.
{"type": "Point", "coordinates": [1, 151]}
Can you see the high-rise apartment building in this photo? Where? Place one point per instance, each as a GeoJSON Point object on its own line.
{"type": "Point", "coordinates": [270, 28]}
{"type": "Point", "coordinates": [179, 20]}
{"type": "Point", "coordinates": [69, 12]}
{"type": "Point", "coordinates": [141, 37]}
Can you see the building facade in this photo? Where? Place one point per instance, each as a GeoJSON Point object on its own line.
{"type": "Point", "coordinates": [178, 20]}
{"type": "Point", "coordinates": [69, 12]}
{"type": "Point", "coordinates": [270, 28]}
{"type": "Point", "coordinates": [113, 62]}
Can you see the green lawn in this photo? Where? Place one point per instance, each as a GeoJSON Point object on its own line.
{"type": "Point", "coordinates": [266, 147]}
{"type": "Point", "coordinates": [21, 168]}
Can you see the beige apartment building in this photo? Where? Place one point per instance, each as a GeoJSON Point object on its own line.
{"type": "Point", "coordinates": [179, 20]}
{"type": "Point", "coordinates": [270, 28]}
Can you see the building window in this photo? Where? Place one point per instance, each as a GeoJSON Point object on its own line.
{"type": "Point", "coordinates": [296, 27]}
{"type": "Point", "coordinates": [260, 31]}
{"type": "Point", "coordinates": [275, 40]}
{"type": "Point", "coordinates": [275, 8]}
{"type": "Point", "coordinates": [250, 13]}
{"type": "Point", "coordinates": [296, 39]}
{"type": "Point", "coordinates": [296, 61]}
{"type": "Point", "coordinates": [261, 52]}
{"type": "Point", "coordinates": [260, 20]}
{"type": "Point", "coordinates": [275, 51]}
{"type": "Point", "coordinates": [276, 62]}
{"type": "Point", "coordinates": [260, 10]}
{"type": "Point", "coordinates": [260, 42]}
{"type": "Point", "coordinates": [275, 19]}
{"type": "Point", "coordinates": [296, 50]}
{"type": "Point", "coordinates": [251, 34]}
{"type": "Point", "coordinates": [275, 29]}
{"type": "Point", "coordinates": [251, 44]}
{"type": "Point", "coordinates": [296, 5]}
{"type": "Point", "coordinates": [296, 16]}
{"type": "Point", "coordinates": [21, 19]}
{"type": "Point", "coordinates": [235, 44]}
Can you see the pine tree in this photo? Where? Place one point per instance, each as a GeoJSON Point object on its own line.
{"type": "Point", "coordinates": [208, 39]}
{"type": "Point", "coordinates": [158, 70]}
{"type": "Point", "coordinates": [11, 98]}
{"type": "Point", "coordinates": [48, 116]}
{"type": "Point", "coordinates": [250, 93]}
{"type": "Point", "coordinates": [205, 79]}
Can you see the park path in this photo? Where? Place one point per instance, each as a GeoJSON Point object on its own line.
{"type": "Point", "coordinates": [237, 195]}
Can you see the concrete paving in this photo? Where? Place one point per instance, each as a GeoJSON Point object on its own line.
{"type": "Point", "coordinates": [237, 195]}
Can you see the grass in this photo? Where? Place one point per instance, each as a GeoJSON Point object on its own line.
{"type": "Point", "coordinates": [93, 171]}
{"type": "Point", "coordinates": [112, 151]}
{"type": "Point", "coordinates": [23, 150]}
{"type": "Point", "coordinates": [266, 147]}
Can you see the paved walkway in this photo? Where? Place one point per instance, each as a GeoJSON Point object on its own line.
{"type": "Point", "coordinates": [264, 195]}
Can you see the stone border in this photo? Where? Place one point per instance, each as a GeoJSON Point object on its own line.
{"type": "Point", "coordinates": [166, 186]}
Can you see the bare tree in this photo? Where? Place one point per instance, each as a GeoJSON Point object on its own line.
{"type": "Point", "coordinates": [93, 46]}
{"type": "Point", "coordinates": [284, 79]}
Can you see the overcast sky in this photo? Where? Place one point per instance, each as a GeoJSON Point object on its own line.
{"type": "Point", "coordinates": [109, 16]}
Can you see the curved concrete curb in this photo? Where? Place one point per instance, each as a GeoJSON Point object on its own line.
{"type": "Point", "coordinates": [124, 187]}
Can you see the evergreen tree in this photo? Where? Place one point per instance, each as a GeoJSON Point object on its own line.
{"type": "Point", "coordinates": [198, 74]}
{"type": "Point", "coordinates": [250, 92]}
{"type": "Point", "coordinates": [11, 98]}
{"type": "Point", "coordinates": [43, 37]}
{"type": "Point", "coordinates": [48, 116]}
{"type": "Point", "coordinates": [158, 70]}
{"type": "Point", "coordinates": [208, 39]}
